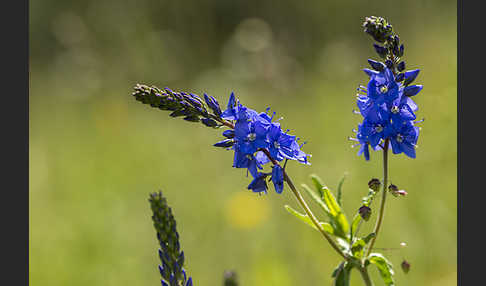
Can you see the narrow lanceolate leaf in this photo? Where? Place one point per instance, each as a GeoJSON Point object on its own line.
{"type": "Point", "coordinates": [384, 266]}
{"type": "Point", "coordinates": [317, 198]}
{"type": "Point", "coordinates": [340, 190]}
{"type": "Point", "coordinates": [306, 219]}
{"type": "Point", "coordinates": [354, 225]}
{"type": "Point", "coordinates": [330, 206]}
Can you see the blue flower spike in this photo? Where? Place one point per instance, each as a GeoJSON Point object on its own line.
{"type": "Point", "coordinates": [385, 103]}
{"type": "Point", "coordinates": [170, 253]}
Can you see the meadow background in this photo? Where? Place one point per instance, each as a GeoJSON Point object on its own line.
{"type": "Point", "coordinates": [96, 153]}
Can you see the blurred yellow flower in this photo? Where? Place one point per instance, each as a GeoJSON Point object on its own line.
{"type": "Point", "coordinates": [246, 210]}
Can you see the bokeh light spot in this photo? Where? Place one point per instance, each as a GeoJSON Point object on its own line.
{"type": "Point", "coordinates": [246, 210]}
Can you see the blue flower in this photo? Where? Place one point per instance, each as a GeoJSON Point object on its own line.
{"type": "Point", "coordinates": [371, 110]}
{"type": "Point", "coordinates": [281, 145]}
{"type": "Point", "coordinates": [242, 160]}
{"type": "Point", "coordinates": [250, 136]}
{"type": "Point", "coordinates": [371, 132]}
{"type": "Point", "coordinates": [382, 87]}
{"type": "Point", "coordinates": [403, 138]}
{"type": "Point", "coordinates": [278, 178]}
{"type": "Point", "coordinates": [256, 141]}
{"type": "Point", "coordinates": [388, 111]}
{"type": "Point", "coordinates": [364, 144]}
{"type": "Point", "coordinates": [402, 109]}
{"type": "Point", "coordinates": [258, 185]}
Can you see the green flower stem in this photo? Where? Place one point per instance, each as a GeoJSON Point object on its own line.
{"type": "Point", "coordinates": [306, 208]}
{"type": "Point", "coordinates": [383, 198]}
{"type": "Point", "coordinates": [366, 277]}
{"type": "Point", "coordinates": [311, 215]}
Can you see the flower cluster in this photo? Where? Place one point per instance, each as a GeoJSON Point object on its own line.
{"type": "Point", "coordinates": [170, 254]}
{"type": "Point", "coordinates": [385, 103]}
{"type": "Point", "coordinates": [255, 137]}
{"type": "Point", "coordinates": [257, 140]}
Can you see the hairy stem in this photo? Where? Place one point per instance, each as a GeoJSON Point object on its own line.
{"type": "Point", "coordinates": [383, 198]}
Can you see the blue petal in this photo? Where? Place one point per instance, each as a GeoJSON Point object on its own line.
{"type": "Point", "coordinates": [396, 147]}
{"type": "Point", "coordinates": [231, 101]}
{"type": "Point", "coordinates": [261, 158]}
{"type": "Point", "coordinates": [371, 72]}
{"type": "Point", "coordinates": [406, 113]}
{"type": "Point", "coordinates": [408, 149]}
{"type": "Point", "coordinates": [258, 184]}
{"type": "Point", "coordinates": [410, 76]}
{"type": "Point", "coordinates": [364, 150]}
{"type": "Point", "coordinates": [411, 103]}
{"type": "Point", "coordinates": [412, 90]}
{"type": "Point", "coordinates": [278, 178]}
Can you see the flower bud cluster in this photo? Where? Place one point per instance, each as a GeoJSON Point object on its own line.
{"type": "Point", "coordinates": [189, 106]}
{"type": "Point", "coordinates": [170, 253]}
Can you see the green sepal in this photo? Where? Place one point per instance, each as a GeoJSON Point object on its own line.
{"type": "Point", "coordinates": [384, 266]}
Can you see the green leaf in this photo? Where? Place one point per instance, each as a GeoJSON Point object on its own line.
{"type": "Point", "coordinates": [342, 274]}
{"type": "Point", "coordinates": [315, 197]}
{"type": "Point", "coordinates": [306, 219]}
{"type": "Point", "coordinates": [340, 189]}
{"type": "Point", "coordinates": [354, 225]}
{"type": "Point", "coordinates": [328, 203]}
{"type": "Point", "coordinates": [384, 266]}
{"type": "Point", "coordinates": [357, 248]}
{"type": "Point", "coordinates": [369, 237]}
{"type": "Point", "coordinates": [318, 199]}
{"type": "Point", "coordinates": [318, 184]}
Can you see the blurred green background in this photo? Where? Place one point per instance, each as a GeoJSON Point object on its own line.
{"type": "Point", "coordinates": [96, 153]}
